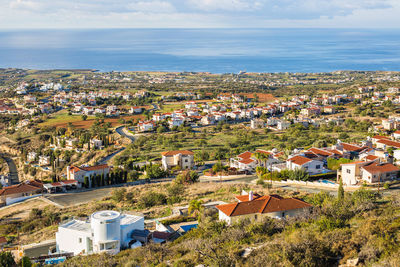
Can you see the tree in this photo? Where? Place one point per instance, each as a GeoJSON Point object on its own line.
{"type": "Point", "coordinates": [84, 117]}
{"type": "Point", "coordinates": [7, 259]}
{"type": "Point", "coordinates": [340, 191]}
{"type": "Point", "coordinates": [25, 262]}
{"type": "Point", "coordinates": [195, 207]}
{"type": "Point", "coordinates": [86, 182]}
{"type": "Point", "coordinates": [187, 177]}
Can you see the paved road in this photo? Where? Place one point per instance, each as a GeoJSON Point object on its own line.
{"type": "Point", "coordinates": [79, 197]}
{"type": "Point", "coordinates": [13, 169]}
{"type": "Point", "coordinates": [108, 157]}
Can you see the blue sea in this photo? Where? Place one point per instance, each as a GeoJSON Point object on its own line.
{"type": "Point", "coordinates": [211, 50]}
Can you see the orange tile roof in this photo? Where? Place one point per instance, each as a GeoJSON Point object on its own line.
{"type": "Point", "coordinates": [350, 147]}
{"type": "Point", "coordinates": [17, 189]}
{"type": "Point", "coordinates": [389, 143]}
{"type": "Point", "coordinates": [175, 152]}
{"type": "Point", "coordinates": [246, 161]}
{"type": "Point", "coordinates": [371, 157]}
{"type": "Point", "coordinates": [246, 197]}
{"type": "Point", "coordinates": [245, 155]}
{"type": "Point", "coordinates": [376, 167]}
{"type": "Point", "coordinates": [320, 152]}
{"type": "Point", "coordinates": [354, 162]}
{"type": "Point", "coordinates": [265, 204]}
{"type": "Point", "coordinates": [380, 137]}
{"type": "Point", "coordinates": [336, 152]}
{"type": "Point", "coordinates": [90, 168]}
{"type": "Point", "coordinates": [299, 160]}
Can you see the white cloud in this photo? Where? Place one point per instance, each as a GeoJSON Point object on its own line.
{"type": "Point", "coordinates": [25, 5]}
{"type": "Point", "coordinates": [152, 7]}
{"type": "Point", "coordinates": [225, 5]}
{"type": "Point", "coordinates": [198, 13]}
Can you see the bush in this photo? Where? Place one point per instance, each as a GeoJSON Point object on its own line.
{"type": "Point", "coordinates": [187, 177]}
{"type": "Point", "coordinates": [151, 199]}
{"type": "Point", "coordinates": [118, 194]}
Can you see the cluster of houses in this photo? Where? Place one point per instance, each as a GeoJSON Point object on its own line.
{"type": "Point", "coordinates": [370, 163]}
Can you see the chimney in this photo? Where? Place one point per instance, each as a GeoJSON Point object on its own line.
{"type": "Point", "coordinates": [250, 195]}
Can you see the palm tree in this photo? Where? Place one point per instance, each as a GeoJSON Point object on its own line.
{"type": "Point", "coordinates": [195, 208]}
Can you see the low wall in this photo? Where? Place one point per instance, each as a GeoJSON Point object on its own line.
{"type": "Point", "coordinates": [10, 201]}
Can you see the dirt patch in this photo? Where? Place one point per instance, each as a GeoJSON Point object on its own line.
{"type": "Point", "coordinates": [88, 123]}
{"type": "Point", "coordinates": [21, 210]}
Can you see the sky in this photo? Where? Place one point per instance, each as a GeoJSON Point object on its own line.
{"type": "Point", "coordinates": [199, 14]}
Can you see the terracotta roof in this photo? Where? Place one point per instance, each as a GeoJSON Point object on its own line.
{"type": "Point", "coordinates": [350, 147]}
{"type": "Point", "coordinates": [175, 152]}
{"type": "Point", "coordinates": [354, 162]}
{"type": "Point", "coordinates": [246, 197]}
{"type": "Point", "coordinates": [376, 167]}
{"type": "Point", "coordinates": [380, 137]}
{"type": "Point", "coordinates": [69, 181]}
{"type": "Point", "coordinates": [265, 204]}
{"type": "Point", "coordinates": [397, 132]}
{"type": "Point", "coordinates": [246, 161]}
{"type": "Point", "coordinates": [371, 157]}
{"type": "Point", "coordinates": [389, 143]}
{"type": "Point", "coordinates": [321, 152]}
{"type": "Point", "coordinates": [245, 155]}
{"type": "Point", "coordinates": [299, 160]}
{"type": "Point", "coordinates": [17, 189]}
{"type": "Point", "coordinates": [90, 168]}
{"type": "Point", "coordinates": [35, 183]}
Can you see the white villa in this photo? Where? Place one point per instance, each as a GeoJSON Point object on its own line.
{"type": "Point", "coordinates": [106, 231]}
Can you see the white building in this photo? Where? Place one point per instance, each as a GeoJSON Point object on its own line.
{"type": "Point", "coordinates": [309, 165]}
{"type": "Point", "coordinates": [107, 231]}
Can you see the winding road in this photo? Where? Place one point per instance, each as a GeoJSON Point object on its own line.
{"type": "Point", "coordinates": [12, 168]}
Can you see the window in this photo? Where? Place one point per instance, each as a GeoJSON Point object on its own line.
{"type": "Point", "coordinates": [80, 239]}
{"type": "Point", "coordinates": [255, 217]}
{"type": "Point", "coordinates": [348, 171]}
{"type": "Point", "coordinates": [186, 160]}
{"type": "Point", "coordinates": [283, 215]}
{"type": "Point", "coordinates": [318, 167]}
{"type": "Point", "coordinates": [101, 246]}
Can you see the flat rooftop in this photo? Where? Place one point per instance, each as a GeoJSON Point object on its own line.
{"type": "Point", "coordinates": [77, 225]}
{"type": "Point", "coordinates": [127, 219]}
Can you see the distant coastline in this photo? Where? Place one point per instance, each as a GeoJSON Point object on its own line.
{"type": "Point", "coordinates": [202, 50]}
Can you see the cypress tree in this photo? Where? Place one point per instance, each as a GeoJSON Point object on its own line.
{"type": "Point", "coordinates": [341, 191]}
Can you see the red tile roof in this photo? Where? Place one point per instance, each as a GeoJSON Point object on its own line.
{"type": "Point", "coordinates": [389, 143]}
{"type": "Point", "coordinates": [90, 168]}
{"type": "Point", "coordinates": [376, 167]}
{"type": "Point", "coordinates": [350, 147]}
{"type": "Point", "coordinates": [299, 160]}
{"type": "Point", "coordinates": [371, 157]}
{"type": "Point", "coordinates": [246, 197]}
{"type": "Point", "coordinates": [380, 137]}
{"type": "Point", "coordinates": [245, 155]}
{"type": "Point", "coordinates": [321, 152]}
{"type": "Point", "coordinates": [175, 152]}
{"type": "Point", "coordinates": [265, 204]}
{"type": "Point", "coordinates": [18, 189]}
{"type": "Point", "coordinates": [246, 161]}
